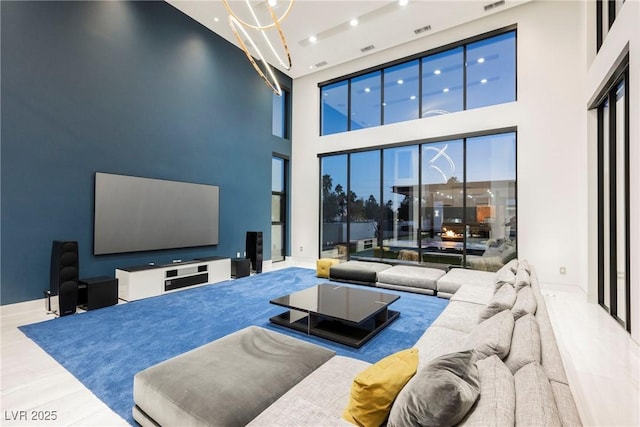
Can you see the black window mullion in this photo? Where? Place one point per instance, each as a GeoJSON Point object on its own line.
{"type": "Point", "coordinates": [599, 26]}
{"type": "Point", "coordinates": [348, 206]}
{"type": "Point", "coordinates": [420, 88]}
{"type": "Point", "coordinates": [464, 202]}
{"type": "Point", "coordinates": [601, 208]}
{"type": "Point", "coordinates": [420, 219]}
{"type": "Point", "coordinates": [381, 211]}
{"type": "Point", "coordinates": [382, 81]}
{"type": "Point", "coordinates": [612, 12]}
{"type": "Point", "coordinates": [627, 178]}
{"type": "Point", "coordinates": [613, 198]}
{"type": "Point", "coordinates": [464, 78]}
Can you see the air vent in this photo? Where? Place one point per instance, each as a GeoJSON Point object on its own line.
{"type": "Point", "coordinates": [422, 30]}
{"type": "Point", "coordinates": [494, 5]}
{"type": "Point", "coordinates": [367, 48]}
{"type": "Point", "coordinates": [321, 64]}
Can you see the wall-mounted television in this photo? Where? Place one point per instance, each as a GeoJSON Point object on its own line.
{"type": "Point", "coordinates": [134, 214]}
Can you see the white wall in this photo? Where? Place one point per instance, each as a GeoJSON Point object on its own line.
{"type": "Point", "coordinates": [550, 116]}
{"type": "Point", "coordinates": [624, 32]}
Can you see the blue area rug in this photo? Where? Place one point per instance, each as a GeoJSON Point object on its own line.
{"type": "Point", "coordinates": [105, 348]}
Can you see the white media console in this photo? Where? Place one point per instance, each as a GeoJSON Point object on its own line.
{"type": "Point", "coordinates": [150, 280]}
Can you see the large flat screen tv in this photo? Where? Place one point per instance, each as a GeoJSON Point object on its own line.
{"type": "Point", "coordinates": [134, 214]}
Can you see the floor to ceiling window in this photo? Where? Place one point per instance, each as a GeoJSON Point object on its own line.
{"type": "Point", "coordinates": [449, 202]}
{"type": "Point", "coordinates": [614, 282]}
{"type": "Point", "coordinates": [278, 208]}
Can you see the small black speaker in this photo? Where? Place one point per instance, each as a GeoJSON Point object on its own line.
{"type": "Point", "coordinates": [65, 275]}
{"type": "Point", "coordinates": [254, 250]}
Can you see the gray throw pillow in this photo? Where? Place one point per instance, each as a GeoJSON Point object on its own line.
{"type": "Point", "coordinates": [525, 303]}
{"type": "Point", "coordinates": [493, 336]}
{"type": "Point", "coordinates": [440, 394]}
{"type": "Point", "coordinates": [503, 277]}
{"type": "Point", "coordinates": [503, 299]}
{"type": "Point", "coordinates": [524, 265]}
{"type": "Point", "coordinates": [522, 279]}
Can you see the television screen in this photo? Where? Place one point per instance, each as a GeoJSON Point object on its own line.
{"type": "Point", "coordinates": [135, 214]}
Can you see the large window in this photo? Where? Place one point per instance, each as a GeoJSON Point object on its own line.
{"type": "Point", "coordinates": [281, 115]}
{"type": "Point", "coordinates": [334, 112]}
{"type": "Point", "coordinates": [475, 73]}
{"type": "Point", "coordinates": [443, 83]}
{"type": "Point", "coordinates": [401, 92]}
{"type": "Point", "coordinates": [365, 101]}
{"type": "Point", "coordinates": [606, 12]}
{"type": "Point", "coordinates": [614, 281]}
{"type": "Point", "coordinates": [278, 208]}
{"type": "Point", "coordinates": [491, 65]}
{"type": "Point", "coordinates": [447, 202]}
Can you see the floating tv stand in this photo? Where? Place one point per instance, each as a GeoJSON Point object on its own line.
{"type": "Point", "coordinates": [149, 280]}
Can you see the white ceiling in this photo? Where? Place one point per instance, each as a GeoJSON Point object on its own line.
{"type": "Point", "coordinates": [383, 24]}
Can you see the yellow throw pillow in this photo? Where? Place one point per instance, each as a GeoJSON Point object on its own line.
{"type": "Point", "coordinates": [374, 389]}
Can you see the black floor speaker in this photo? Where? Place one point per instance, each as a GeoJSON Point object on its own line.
{"type": "Point", "coordinates": [254, 250]}
{"type": "Point", "coordinates": [65, 275]}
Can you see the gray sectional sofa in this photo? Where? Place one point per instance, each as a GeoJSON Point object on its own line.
{"type": "Point", "coordinates": [504, 321]}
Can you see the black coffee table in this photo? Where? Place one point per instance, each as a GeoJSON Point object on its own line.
{"type": "Point", "coordinates": [343, 314]}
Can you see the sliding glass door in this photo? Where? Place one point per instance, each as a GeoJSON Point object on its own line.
{"type": "Point", "coordinates": [614, 283]}
{"type": "Point", "coordinates": [450, 202]}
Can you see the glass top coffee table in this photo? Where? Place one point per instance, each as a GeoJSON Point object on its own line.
{"type": "Point", "coordinates": [342, 314]}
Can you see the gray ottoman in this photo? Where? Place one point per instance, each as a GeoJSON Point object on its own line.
{"type": "Point", "coordinates": [225, 383]}
{"type": "Point", "coordinates": [410, 278]}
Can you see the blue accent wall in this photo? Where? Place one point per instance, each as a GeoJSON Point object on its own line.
{"type": "Point", "coordinates": [132, 88]}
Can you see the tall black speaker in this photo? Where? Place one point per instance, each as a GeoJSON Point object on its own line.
{"type": "Point", "coordinates": [254, 250]}
{"type": "Point", "coordinates": [65, 275]}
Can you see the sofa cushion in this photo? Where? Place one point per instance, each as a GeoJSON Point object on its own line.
{"type": "Point", "coordinates": [525, 344]}
{"type": "Point", "coordinates": [440, 394]}
{"type": "Point", "coordinates": [496, 405]}
{"type": "Point", "coordinates": [411, 276]}
{"type": "Point", "coordinates": [437, 341]}
{"type": "Point", "coordinates": [459, 315]}
{"type": "Point", "coordinates": [524, 265]}
{"type": "Point", "coordinates": [522, 280]}
{"type": "Point", "coordinates": [512, 266]}
{"type": "Point", "coordinates": [230, 380]}
{"type": "Point", "coordinates": [456, 277]}
{"type": "Point", "coordinates": [504, 277]}
{"type": "Point", "coordinates": [525, 303]}
{"type": "Point", "coordinates": [374, 389]}
{"type": "Point", "coordinates": [535, 403]}
{"type": "Point", "coordinates": [474, 294]}
{"type": "Point", "coordinates": [493, 336]}
{"type": "Point", "coordinates": [503, 299]}
{"type": "Point", "coordinates": [318, 399]}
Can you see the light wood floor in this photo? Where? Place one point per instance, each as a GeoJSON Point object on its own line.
{"type": "Point", "coordinates": [602, 363]}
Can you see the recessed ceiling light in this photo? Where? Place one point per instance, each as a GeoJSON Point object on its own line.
{"type": "Point", "coordinates": [403, 2]}
{"type": "Point", "coordinates": [216, 19]}
{"type": "Point", "coordinates": [311, 68]}
{"type": "Point", "coordinates": [483, 81]}
{"type": "Point", "coordinates": [353, 22]}
{"type": "Point", "coordinates": [480, 60]}
{"type": "Point", "coordinates": [273, 2]}
{"type": "Point", "coordinates": [412, 97]}
{"type": "Point", "coordinates": [445, 90]}
{"type": "Point", "coordinates": [400, 81]}
{"type": "Point", "coordinates": [313, 39]}
{"type": "Point", "coordinates": [437, 72]}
